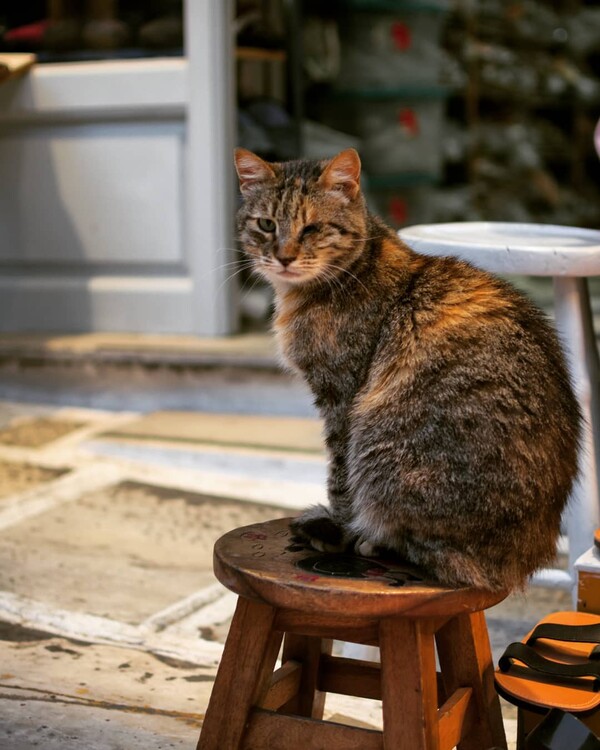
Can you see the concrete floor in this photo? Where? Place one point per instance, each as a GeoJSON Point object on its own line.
{"type": "Point", "coordinates": [111, 622]}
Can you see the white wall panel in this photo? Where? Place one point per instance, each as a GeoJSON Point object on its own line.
{"type": "Point", "coordinates": [116, 186]}
{"type": "Point", "coordinates": [108, 194]}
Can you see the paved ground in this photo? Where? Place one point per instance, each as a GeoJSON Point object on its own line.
{"type": "Point", "coordinates": [111, 622]}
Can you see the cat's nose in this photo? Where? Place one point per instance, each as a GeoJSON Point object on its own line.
{"type": "Point", "coordinates": [285, 262]}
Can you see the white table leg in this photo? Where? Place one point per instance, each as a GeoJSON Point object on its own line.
{"type": "Point", "coordinates": [575, 327]}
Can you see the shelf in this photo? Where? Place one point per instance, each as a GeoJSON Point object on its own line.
{"type": "Point", "coordinates": [91, 55]}
{"type": "Point", "coordinates": [15, 64]}
{"type": "Point", "coordinates": [407, 91]}
{"type": "Point", "coordinates": [536, 101]}
{"type": "Point", "coordinates": [257, 54]}
{"type": "Point", "coordinates": [400, 180]}
{"type": "Point", "coordinates": [260, 55]}
{"type": "Point", "coordinates": [400, 6]}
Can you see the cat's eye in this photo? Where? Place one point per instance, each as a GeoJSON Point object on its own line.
{"type": "Point", "coordinates": [309, 229]}
{"type": "Point", "coordinates": [267, 225]}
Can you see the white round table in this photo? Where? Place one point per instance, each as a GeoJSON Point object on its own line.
{"type": "Point", "coordinates": [568, 255]}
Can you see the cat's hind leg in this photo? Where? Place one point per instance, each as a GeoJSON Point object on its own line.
{"type": "Point", "coordinates": [317, 528]}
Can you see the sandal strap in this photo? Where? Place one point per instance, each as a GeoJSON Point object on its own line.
{"type": "Point", "coordinates": [537, 663]}
{"type": "Point", "coordinates": [568, 633]}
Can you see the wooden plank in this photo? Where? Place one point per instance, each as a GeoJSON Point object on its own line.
{"type": "Point", "coordinates": [350, 677]}
{"type": "Point", "coordinates": [588, 593]}
{"type": "Point", "coordinates": [466, 660]}
{"type": "Point", "coordinates": [331, 626]}
{"type": "Point", "coordinates": [260, 54]}
{"type": "Point", "coordinates": [243, 677]}
{"type": "Point", "coordinates": [285, 684]}
{"type": "Point", "coordinates": [307, 650]}
{"type": "Point", "coordinates": [14, 64]}
{"type": "Point", "coordinates": [455, 718]}
{"type": "Point", "coordinates": [409, 681]}
{"type": "Point", "coordinates": [280, 732]}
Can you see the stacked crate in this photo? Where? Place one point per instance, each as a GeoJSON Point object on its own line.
{"type": "Point", "coordinates": [391, 93]}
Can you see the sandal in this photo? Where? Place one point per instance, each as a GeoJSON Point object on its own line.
{"type": "Point", "coordinates": [556, 666]}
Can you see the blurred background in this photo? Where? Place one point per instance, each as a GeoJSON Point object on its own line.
{"type": "Point", "coordinates": [117, 192]}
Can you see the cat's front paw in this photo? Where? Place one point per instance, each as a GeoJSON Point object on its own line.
{"type": "Point", "coordinates": [364, 548]}
{"type": "Point", "coordinates": [317, 528]}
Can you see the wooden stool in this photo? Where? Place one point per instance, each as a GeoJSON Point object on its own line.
{"type": "Point", "coordinates": [289, 592]}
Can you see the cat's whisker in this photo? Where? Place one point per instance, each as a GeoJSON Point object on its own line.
{"type": "Point", "coordinates": [211, 272]}
{"type": "Point", "coordinates": [237, 270]}
{"type": "Point", "coordinates": [236, 263]}
{"type": "Point", "coordinates": [333, 281]}
{"type": "Point", "coordinates": [365, 239]}
{"type": "Point", "coordinates": [333, 284]}
{"type": "Point", "coordinates": [225, 281]}
{"type": "Point", "coordinates": [249, 291]}
{"type": "Point", "coordinates": [345, 270]}
{"type": "Point", "coordinates": [229, 278]}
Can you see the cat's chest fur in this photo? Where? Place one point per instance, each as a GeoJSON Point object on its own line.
{"type": "Point", "coordinates": [330, 345]}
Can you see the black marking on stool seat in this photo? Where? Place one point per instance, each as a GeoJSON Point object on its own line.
{"type": "Point", "coordinates": [352, 566]}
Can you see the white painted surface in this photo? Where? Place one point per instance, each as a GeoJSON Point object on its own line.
{"type": "Point", "coordinates": [293, 494]}
{"type": "Point", "coordinates": [20, 610]}
{"type": "Point", "coordinates": [71, 90]}
{"type": "Point", "coordinates": [121, 171]}
{"type": "Point", "coordinates": [185, 607]}
{"type": "Point", "coordinates": [553, 578]}
{"type": "Point", "coordinates": [511, 248]}
{"type": "Point", "coordinates": [589, 562]}
{"type": "Point", "coordinates": [209, 160]}
{"type": "Point", "coordinates": [102, 193]}
{"type": "Point", "coordinates": [66, 303]}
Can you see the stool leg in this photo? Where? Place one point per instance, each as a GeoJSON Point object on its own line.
{"type": "Point", "coordinates": [243, 677]}
{"type": "Point", "coordinates": [527, 721]}
{"type": "Point", "coordinates": [307, 650]}
{"type": "Point", "coordinates": [576, 329]}
{"type": "Point", "coordinates": [521, 731]}
{"type": "Point", "coordinates": [466, 661]}
{"type": "Point", "coordinates": [408, 685]}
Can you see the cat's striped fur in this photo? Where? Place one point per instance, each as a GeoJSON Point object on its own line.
{"type": "Point", "coordinates": [450, 422]}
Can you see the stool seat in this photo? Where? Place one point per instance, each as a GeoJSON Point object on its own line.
{"type": "Point", "coordinates": [261, 562]}
{"type": "Point", "coordinates": [511, 248]}
{"type": "Point", "coordinates": [294, 595]}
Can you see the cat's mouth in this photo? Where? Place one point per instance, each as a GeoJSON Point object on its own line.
{"type": "Point", "coordinates": [289, 274]}
{"type": "Point", "coordinates": [286, 274]}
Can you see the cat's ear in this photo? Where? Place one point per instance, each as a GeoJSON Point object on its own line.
{"type": "Point", "coordinates": [251, 169]}
{"type": "Point", "coordinates": [342, 173]}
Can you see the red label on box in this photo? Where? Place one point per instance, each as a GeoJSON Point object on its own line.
{"type": "Point", "coordinates": [401, 36]}
{"type": "Point", "coordinates": [407, 118]}
{"type": "Point", "coordinates": [398, 210]}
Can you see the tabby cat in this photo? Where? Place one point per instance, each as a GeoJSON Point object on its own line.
{"type": "Point", "coordinates": [451, 426]}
